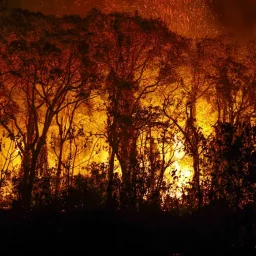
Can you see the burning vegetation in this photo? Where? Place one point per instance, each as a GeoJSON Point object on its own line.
{"type": "Point", "coordinates": [116, 109]}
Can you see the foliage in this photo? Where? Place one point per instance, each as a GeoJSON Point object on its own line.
{"type": "Point", "coordinates": [110, 110]}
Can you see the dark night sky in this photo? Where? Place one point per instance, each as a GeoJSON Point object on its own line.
{"type": "Point", "coordinates": [239, 16]}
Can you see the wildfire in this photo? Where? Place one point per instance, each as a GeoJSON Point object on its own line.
{"type": "Point", "coordinates": [191, 18]}
{"type": "Point", "coordinates": [131, 101]}
{"type": "Point", "coordinates": [180, 172]}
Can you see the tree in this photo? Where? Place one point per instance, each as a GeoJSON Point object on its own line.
{"type": "Point", "coordinates": [181, 108]}
{"type": "Point", "coordinates": [231, 156]}
{"type": "Point", "coordinates": [234, 89]}
{"type": "Point", "coordinates": [40, 77]}
{"type": "Point", "coordinates": [68, 142]}
{"type": "Point", "coordinates": [133, 53]}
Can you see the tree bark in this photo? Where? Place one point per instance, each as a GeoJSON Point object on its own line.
{"type": "Point", "coordinates": [110, 178]}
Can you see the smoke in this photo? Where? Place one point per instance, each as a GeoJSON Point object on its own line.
{"type": "Point", "coordinates": [236, 16]}
{"type": "Point", "coordinates": [193, 18]}
{"type": "Point", "coordinates": [46, 6]}
{"type": "Point", "coordinates": [15, 3]}
{"type": "Point", "coordinates": [62, 7]}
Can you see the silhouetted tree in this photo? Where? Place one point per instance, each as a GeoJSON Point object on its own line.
{"type": "Point", "coordinates": [129, 50]}
{"type": "Point", "coordinates": [231, 156]}
{"type": "Point", "coordinates": [41, 78]}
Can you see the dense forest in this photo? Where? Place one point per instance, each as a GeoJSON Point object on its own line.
{"type": "Point", "coordinates": [114, 111]}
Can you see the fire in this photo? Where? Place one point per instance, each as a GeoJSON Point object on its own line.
{"type": "Point", "coordinates": [180, 172]}
{"type": "Point", "coordinates": [136, 100]}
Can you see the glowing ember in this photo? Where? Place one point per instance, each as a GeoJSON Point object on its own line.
{"type": "Point", "coordinates": [191, 18]}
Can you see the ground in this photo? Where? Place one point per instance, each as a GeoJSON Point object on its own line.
{"type": "Point", "coordinates": [101, 232]}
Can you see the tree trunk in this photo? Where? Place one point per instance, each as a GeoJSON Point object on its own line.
{"type": "Point", "coordinates": [28, 182]}
{"type": "Point", "coordinates": [196, 177]}
{"type": "Point", "coordinates": [110, 178]}
{"type": "Point", "coordinates": [57, 182]}
{"type": "Point", "coordinates": [195, 149]}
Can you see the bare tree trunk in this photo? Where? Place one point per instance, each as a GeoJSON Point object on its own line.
{"type": "Point", "coordinates": [110, 177]}
{"type": "Point", "coordinates": [28, 182]}
{"type": "Point", "coordinates": [196, 178]}
{"type": "Point", "coordinates": [58, 174]}
{"type": "Point", "coordinates": [195, 150]}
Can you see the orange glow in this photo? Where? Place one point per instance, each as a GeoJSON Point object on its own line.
{"type": "Point", "coordinates": [125, 105]}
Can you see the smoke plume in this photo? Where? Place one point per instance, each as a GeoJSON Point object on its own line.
{"type": "Point", "coordinates": [236, 16]}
